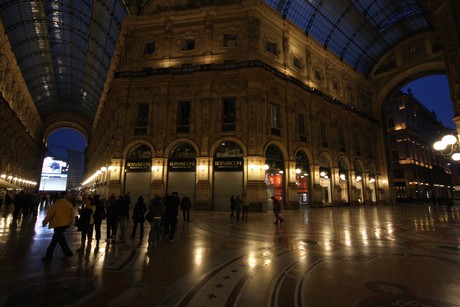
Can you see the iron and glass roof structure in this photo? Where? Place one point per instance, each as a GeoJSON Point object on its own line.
{"type": "Point", "coordinates": [357, 31]}
{"type": "Point", "coordinates": [64, 48]}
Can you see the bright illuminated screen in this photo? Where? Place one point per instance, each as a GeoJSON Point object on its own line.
{"type": "Point", "coordinates": [54, 175]}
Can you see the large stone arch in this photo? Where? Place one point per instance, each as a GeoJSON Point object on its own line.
{"type": "Point", "coordinates": [66, 120]}
{"type": "Point", "coordinates": [401, 71]}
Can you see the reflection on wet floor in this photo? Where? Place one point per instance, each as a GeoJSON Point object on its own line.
{"type": "Point", "coordinates": [406, 254]}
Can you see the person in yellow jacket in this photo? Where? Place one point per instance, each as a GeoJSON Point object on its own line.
{"type": "Point", "coordinates": [59, 216]}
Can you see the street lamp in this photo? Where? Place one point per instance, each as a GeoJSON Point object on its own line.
{"type": "Point", "coordinates": [448, 146]}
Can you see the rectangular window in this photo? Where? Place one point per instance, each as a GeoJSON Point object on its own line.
{"type": "Point", "coordinates": [335, 84]}
{"type": "Point", "coordinates": [275, 119]}
{"type": "Point", "coordinates": [229, 114]}
{"type": "Point", "coordinates": [357, 146]}
{"type": "Point", "coordinates": [301, 124]}
{"type": "Point", "coordinates": [230, 40]}
{"type": "Point", "coordinates": [398, 173]}
{"type": "Point", "coordinates": [272, 48]}
{"type": "Point", "coordinates": [318, 74]}
{"type": "Point", "coordinates": [391, 123]}
{"type": "Point", "coordinates": [188, 45]}
{"type": "Point", "coordinates": [142, 119]}
{"type": "Point", "coordinates": [297, 62]}
{"type": "Point", "coordinates": [142, 115]}
{"type": "Point", "coordinates": [393, 138]}
{"type": "Point", "coordinates": [183, 116]}
{"type": "Point", "coordinates": [149, 48]}
{"type": "Point", "coordinates": [349, 92]}
{"type": "Point", "coordinates": [323, 134]}
{"type": "Point", "coordinates": [395, 156]}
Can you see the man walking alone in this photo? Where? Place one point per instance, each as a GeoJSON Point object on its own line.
{"type": "Point", "coordinates": [59, 216]}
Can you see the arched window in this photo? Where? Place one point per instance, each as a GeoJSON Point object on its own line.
{"type": "Point", "coordinates": [140, 151]}
{"type": "Point", "coordinates": [343, 171]}
{"type": "Point", "coordinates": [182, 151]}
{"type": "Point", "coordinates": [229, 150]}
{"type": "Point", "coordinates": [274, 158]}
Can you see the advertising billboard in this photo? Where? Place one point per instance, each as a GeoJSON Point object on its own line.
{"type": "Point", "coordinates": [54, 175]}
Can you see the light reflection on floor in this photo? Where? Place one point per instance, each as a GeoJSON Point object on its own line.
{"type": "Point", "coordinates": [363, 256]}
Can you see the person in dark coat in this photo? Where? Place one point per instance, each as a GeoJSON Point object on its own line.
{"type": "Point", "coordinates": [277, 210]}
{"type": "Point", "coordinates": [98, 216]}
{"type": "Point", "coordinates": [123, 214]}
{"type": "Point", "coordinates": [138, 216]}
{"type": "Point", "coordinates": [19, 203]}
{"type": "Point", "coordinates": [172, 203]}
{"type": "Point", "coordinates": [232, 206]}
{"type": "Point", "coordinates": [186, 204]}
{"type": "Point", "coordinates": [111, 216]}
{"type": "Point", "coordinates": [156, 211]}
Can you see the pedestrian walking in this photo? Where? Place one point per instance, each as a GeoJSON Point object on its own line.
{"type": "Point", "coordinates": [277, 210]}
{"type": "Point", "coordinates": [186, 204]}
{"type": "Point", "coordinates": [138, 217]}
{"type": "Point", "coordinates": [172, 203]}
{"type": "Point", "coordinates": [155, 217]}
{"type": "Point", "coordinates": [59, 216]}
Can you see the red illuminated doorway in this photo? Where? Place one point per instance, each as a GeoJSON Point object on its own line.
{"type": "Point", "coordinates": [274, 173]}
{"type": "Point", "coordinates": [302, 178]}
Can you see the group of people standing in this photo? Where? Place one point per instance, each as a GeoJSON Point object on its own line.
{"type": "Point", "coordinates": [161, 213]}
{"type": "Point", "coordinates": [239, 206]}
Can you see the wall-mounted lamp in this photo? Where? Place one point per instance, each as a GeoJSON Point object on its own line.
{"type": "Point", "coordinates": [111, 168]}
{"type": "Point", "coordinates": [359, 178]}
{"type": "Point", "coordinates": [298, 171]}
{"type": "Point", "coordinates": [103, 169]}
{"type": "Point", "coordinates": [266, 167]}
{"type": "Point", "coordinates": [3, 176]}
{"type": "Point", "coordinates": [155, 168]}
{"type": "Point", "coordinates": [252, 167]}
{"type": "Point", "coordinates": [342, 177]}
{"type": "Point", "coordinates": [201, 167]}
{"type": "Point", "coordinates": [372, 180]}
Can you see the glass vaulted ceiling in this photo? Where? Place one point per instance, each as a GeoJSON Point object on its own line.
{"type": "Point", "coordinates": [64, 49]}
{"type": "Point", "coordinates": [358, 31]}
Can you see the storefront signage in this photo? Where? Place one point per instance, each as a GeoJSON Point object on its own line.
{"type": "Point", "coordinates": [228, 165]}
{"type": "Point", "coordinates": [181, 165]}
{"type": "Point", "coordinates": [138, 165]}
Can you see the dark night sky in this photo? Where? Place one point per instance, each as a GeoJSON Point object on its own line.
{"type": "Point", "coordinates": [431, 91]}
{"type": "Point", "coordinates": [60, 141]}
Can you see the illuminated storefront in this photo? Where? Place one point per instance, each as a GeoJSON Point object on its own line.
{"type": "Point", "coordinates": [137, 172]}
{"type": "Point", "coordinates": [344, 183]}
{"type": "Point", "coordinates": [325, 181]}
{"type": "Point", "coordinates": [274, 173]}
{"type": "Point", "coordinates": [303, 178]}
{"type": "Point", "coordinates": [182, 170]}
{"type": "Point", "coordinates": [228, 176]}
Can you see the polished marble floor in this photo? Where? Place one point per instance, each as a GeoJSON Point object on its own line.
{"type": "Point", "coordinates": [402, 255]}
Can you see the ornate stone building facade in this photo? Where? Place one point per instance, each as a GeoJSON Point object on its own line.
{"type": "Point", "coordinates": [20, 125]}
{"type": "Point", "coordinates": [215, 98]}
{"type": "Point", "coordinates": [417, 172]}
{"type": "Point", "coordinates": [226, 100]}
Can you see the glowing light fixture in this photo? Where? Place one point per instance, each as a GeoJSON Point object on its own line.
{"type": "Point", "coordinates": [448, 146]}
